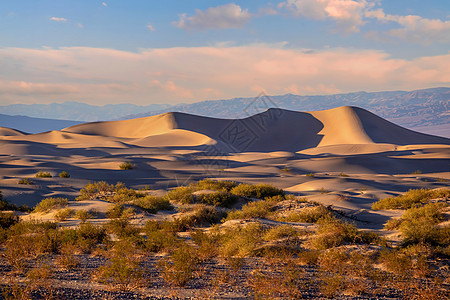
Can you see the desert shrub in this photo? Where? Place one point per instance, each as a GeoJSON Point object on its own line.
{"type": "Point", "coordinates": [410, 199]}
{"type": "Point", "coordinates": [396, 261]}
{"type": "Point", "coordinates": [206, 242]}
{"type": "Point", "coordinates": [25, 181]}
{"type": "Point", "coordinates": [64, 174]}
{"type": "Point", "coordinates": [95, 190]}
{"type": "Point", "coordinates": [121, 273]}
{"type": "Point", "coordinates": [8, 219]}
{"type": "Point", "coordinates": [419, 224]}
{"type": "Point", "coordinates": [158, 237]}
{"type": "Point", "coordinates": [67, 258]}
{"type": "Point", "coordinates": [333, 232]}
{"type": "Point", "coordinates": [209, 184]}
{"type": "Point", "coordinates": [48, 204]}
{"type": "Point", "coordinates": [179, 268]}
{"type": "Point", "coordinates": [279, 232]}
{"type": "Point", "coordinates": [393, 224]}
{"type": "Point", "coordinates": [220, 198]}
{"type": "Point", "coordinates": [83, 215]}
{"type": "Point", "coordinates": [202, 216]}
{"type": "Point", "coordinates": [256, 209]}
{"type": "Point", "coordinates": [181, 194]}
{"type": "Point", "coordinates": [153, 204]}
{"type": "Point", "coordinates": [122, 228]}
{"type": "Point", "coordinates": [115, 211]}
{"type": "Point", "coordinates": [5, 205]}
{"type": "Point", "coordinates": [241, 241]}
{"type": "Point", "coordinates": [308, 215]}
{"type": "Point", "coordinates": [126, 166]}
{"type": "Point", "coordinates": [310, 175]}
{"type": "Point", "coordinates": [87, 236]}
{"type": "Point", "coordinates": [64, 214]}
{"type": "Point", "coordinates": [42, 174]}
{"type": "Point", "coordinates": [122, 194]}
{"type": "Point", "coordinates": [259, 191]}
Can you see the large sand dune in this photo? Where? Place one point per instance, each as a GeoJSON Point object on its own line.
{"type": "Point", "coordinates": [349, 151]}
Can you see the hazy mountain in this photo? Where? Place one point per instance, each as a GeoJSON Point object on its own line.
{"type": "Point", "coordinates": [78, 111]}
{"type": "Point", "coordinates": [426, 110]}
{"type": "Point", "coordinates": [34, 125]}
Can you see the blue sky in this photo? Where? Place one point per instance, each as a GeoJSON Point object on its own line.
{"type": "Point", "coordinates": [145, 52]}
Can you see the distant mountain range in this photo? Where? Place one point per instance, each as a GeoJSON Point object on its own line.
{"type": "Point", "coordinates": [34, 125]}
{"type": "Point", "coordinates": [426, 110]}
{"type": "Point", "coordinates": [77, 111]}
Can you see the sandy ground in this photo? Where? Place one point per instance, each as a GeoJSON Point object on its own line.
{"type": "Point", "coordinates": [344, 157]}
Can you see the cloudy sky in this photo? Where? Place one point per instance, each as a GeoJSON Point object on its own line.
{"type": "Point", "coordinates": [172, 51]}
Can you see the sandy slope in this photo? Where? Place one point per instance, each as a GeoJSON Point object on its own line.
{"type": "Point", "coordinates": [355, 156]}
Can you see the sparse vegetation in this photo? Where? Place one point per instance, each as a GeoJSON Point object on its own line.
{"type": "Point", "coordinates": [64, 214]}
{"type": "Point", "coordinates": [126, 166]}
{"type": "Point", "coordinates": [42, 174]}
{"type": "Point", "coordinates": [153, 204]}
{"type": "Point", "coordinates": [64, 174]}
{"type": "Point", "coordinates": [83, 215]}
{"type": "Point", "coordinates": [48, 204]}
{"type": "Point", "coordinates": [259, 191]}
{"type": "Point", "coordinates": [411, 198]}
{"type": "Point", "coordinates": [25, 181]}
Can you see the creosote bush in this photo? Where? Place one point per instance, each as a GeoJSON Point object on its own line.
{"type": "Point", "coordinates": [26, 181]}
{"type": "Point", "coordinates": [42, 174]}
{"type": "Point", "coordinates": [410, 199]}
{"type": "Point", "coordinates": [48, 204]}
{"type": "Point", "coordinates": [126, 166]}
{"type": "Point", "coordinates": [259, 191]}
{"type": "Point", "coordinates": [333, 232]}
{"type": "Point", "coordinates": [64, 174]}
{"type": "Point", "coordinates": [219, 198]}
{"type": "Point", "coordinates": [153, 204]}
{"type": "Point", "coordinates": [64, 214]}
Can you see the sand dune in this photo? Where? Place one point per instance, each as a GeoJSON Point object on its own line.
{"type": "Point", "coordinates": [277, 147]}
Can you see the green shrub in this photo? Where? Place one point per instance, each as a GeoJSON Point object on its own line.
{"type": "Point", "coordinates": [241, 241]}
{"type": "Point", "coordinates": [410, 199]}
{"type": "Point", "coordinates": [153, 204]}
{"type": "Point", "coordinates": [180, 267]}
{"type": "Point", "coordinates": [8, 219]}
{"type": "Point", "coordinates": [84, 214]}
{"type": "Point", "coordinates": [64, 174]}
{"type": "Point", "coordinates": [94, 190]}
{"type": "Point", "coordinates": [122, 228]}
{"type": "Point", "coordinates": [48, 204]}
{"type": "Point", "coordinates": [25, 181]}
{"type": "Point", "coordinates": [158, 237]}
{"type": "Point", "coordinates": [308, 215]}
{"type": "Point", "coordinates": [333, 232]}
{"type": "Point", "coordinates": [310, 175]}
{"type": "Point", "coordinates": [219, 198]}
{"type": "Point", "coordinates": [104, 191]}
{"type": "Point", "coordinates": [259, 191]}
{"type": "Point", "coordinates": [42, 174]}
{"type": "Point", "coordinates": [126, 166]}
{"type": "Point", "coordinates": [256, 209]}
{"type": "Point", "coordinates": [87, 236]}
{"type": "Point", "coordinates": [121, 273]}
{"type": "Point", "coordinates": [115, 211]}
{"type": "Point", "coordinates": [279, 232]}
{"type": "Point", "coordinates": [202, 216]}
{"type": "Point", "coordinates": [181, 194]}
{"type": "Point", "coordinates": [209, 184]}
{"type": "Point", "coordinates": [64, 214]}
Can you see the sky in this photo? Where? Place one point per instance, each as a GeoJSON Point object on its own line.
{"type": "Point", "coordinates": [145, 52]}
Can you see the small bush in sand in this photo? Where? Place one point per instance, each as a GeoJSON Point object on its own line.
{"type": "Point", "coordinates": [25, 181]}
{"type": "Point", "coordinates": [308, 215]}
{"type": "Point", "coordinates": [64, 214]}
{"type": "Point", "coordinates": [259, 191]}
{"type": "Point", "coordinates": [309, 175]}
{"type": "Point", "coordinates": [42, 174]}
{"type": "Point", "coordinates": [159, 236]}
{"type": "Point", "coordinates": [219, 198]}
{"type": "Point", "coordinates": [180, 267]}
{"type": "Point", "coordinates": [209, 184]}
{"type": "Point", "coordinates": [121, 272]}
{"type": "Point", "coordinates": [202, 215]}
{"type": "Point", "coordinates": [411, 198]}
{"type": "Point", "coordinates": [181, 194]}
{"type": "Point", "coordinates": [126, 166]}
{"type": "Point", "coordinates": [333, 232]}
{"type": "Point", "coordinates": [83, 215]}
{"type": "Point", "coordinates": [241, 241]}
{"type": "Point", "coordinates": [279, 232]}
{"type": "Point", "coordinates": [256, 209]}
{"type": "Point", "coordinates": [48, 204]}
{"type": "Point", "coordinates": [64, 174]}
{"type": "Point", "coordinates": [153, 204]}
{"type": "Point", "coordinates": [115, 211]}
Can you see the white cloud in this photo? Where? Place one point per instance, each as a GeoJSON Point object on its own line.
{"type": "Point", "coordinates": [150, 27]}
{"type": "Point", "coordinates": [192, 74]}
{"type": "Point", "coordinates": [414, 28]}
{"type": "Point", "coordinates": [220, 17]}
{"type": "Point", "coordinates": [348, 14]}
{"type": "Point", "coordinates": [56, 19]}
